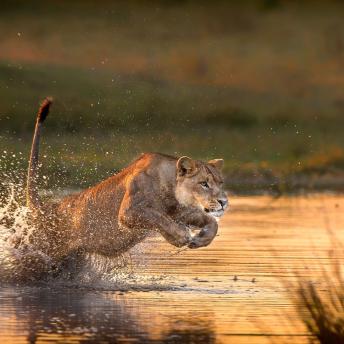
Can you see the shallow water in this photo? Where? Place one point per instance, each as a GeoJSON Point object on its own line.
{"type": "Point", "coordinates": [234, 291]}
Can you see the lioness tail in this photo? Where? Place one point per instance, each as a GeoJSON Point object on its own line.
{"type": "Point", "coordinates": [33, 201]}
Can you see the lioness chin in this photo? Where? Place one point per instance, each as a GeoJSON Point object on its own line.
{"type": "Point", "coordinates": [156, 192]}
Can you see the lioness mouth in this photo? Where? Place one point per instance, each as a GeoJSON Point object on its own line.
{"type": "Point", "coordinates": [215, 213]}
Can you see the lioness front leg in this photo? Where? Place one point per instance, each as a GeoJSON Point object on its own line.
{"type": "Point", "coordinates": [207, 233]}
{"type": "Point", "coordinates": [151, 219]}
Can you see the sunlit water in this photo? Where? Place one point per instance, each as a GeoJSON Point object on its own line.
{"type": "Point", "coordinates": [234, 291]}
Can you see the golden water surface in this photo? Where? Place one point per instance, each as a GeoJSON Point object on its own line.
{"type": "Point", "coordinates": [234, 291]}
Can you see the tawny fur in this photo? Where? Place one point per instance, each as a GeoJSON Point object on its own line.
{"type": "Point", "coordinates": [154, 193]}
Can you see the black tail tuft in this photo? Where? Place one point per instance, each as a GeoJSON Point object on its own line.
{"type": "Point", "coordinates": [44, 109]}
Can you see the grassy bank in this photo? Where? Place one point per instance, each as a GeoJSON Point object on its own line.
{"type": "Point", "coordinates": [260, 86]}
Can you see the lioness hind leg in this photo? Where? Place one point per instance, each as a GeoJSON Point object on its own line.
{"type": "Point", "coordinates": [71, 265]}
{"type": "Point", "coordinates": [26, 267]}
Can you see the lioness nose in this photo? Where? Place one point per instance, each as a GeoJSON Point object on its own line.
{"type": "Point", "coordinates": [223, 202]}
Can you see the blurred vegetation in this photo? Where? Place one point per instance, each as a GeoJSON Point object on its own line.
{"type": "Point", "coordinates": [320, 305]}
{"type": "Point", "coordinates": [259, 83]}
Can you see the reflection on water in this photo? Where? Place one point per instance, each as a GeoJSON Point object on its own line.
{"type": "Point", "coordinates": [230, 292]}
{"type": "Point", "coordinates": [89, 317]}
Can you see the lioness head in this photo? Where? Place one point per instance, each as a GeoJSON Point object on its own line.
{"type": "Point", "coordinates": [200, 184]}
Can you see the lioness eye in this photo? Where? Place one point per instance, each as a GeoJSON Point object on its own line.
{"type": "Point", "coordinates": [204, 184]}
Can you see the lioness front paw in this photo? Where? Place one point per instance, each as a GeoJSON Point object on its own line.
{"type": "Point", "coordinates": [204, 238]}
{"type": "Point", "coordinates": [199, 242]}
{"type": "Point", "coordinates": [180, 242]}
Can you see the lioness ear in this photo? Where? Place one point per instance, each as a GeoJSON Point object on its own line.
{"type": "Point", "coordinates": [185, 165]}
{"type": "Point", "coordinates": [218, 163]}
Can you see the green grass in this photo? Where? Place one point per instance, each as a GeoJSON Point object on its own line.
{"type": "Point", "coordinates": [247, 82]}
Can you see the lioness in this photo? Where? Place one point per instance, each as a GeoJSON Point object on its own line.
{"type": "Point", "coordinates": [155, 192]}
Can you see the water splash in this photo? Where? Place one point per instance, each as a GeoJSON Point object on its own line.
{"type": "Point", "coordinates": [18, 258]}
{"type": "Point", "coordinates": [21, 261]}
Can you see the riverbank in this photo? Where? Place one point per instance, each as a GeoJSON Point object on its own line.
{"type": "Point", "coordinates": [80, 161]}
{"type": "Point", "coordinates": [257, 84]}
